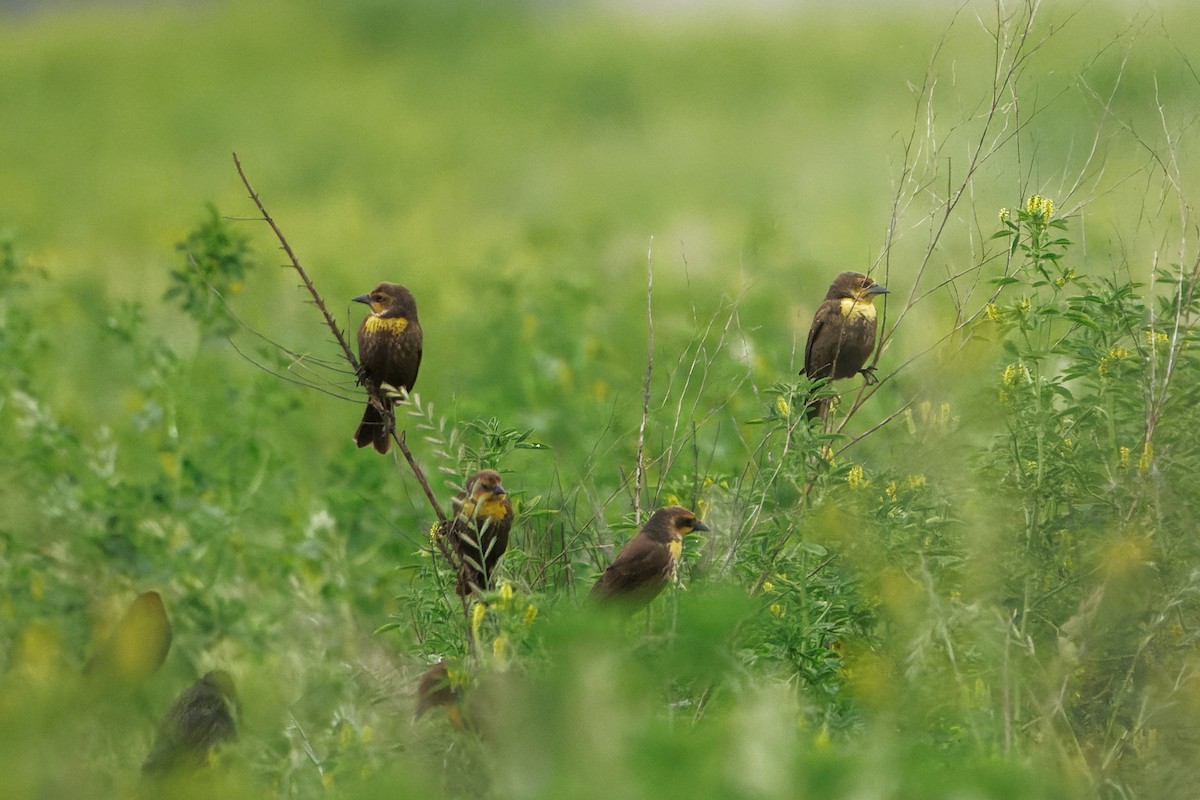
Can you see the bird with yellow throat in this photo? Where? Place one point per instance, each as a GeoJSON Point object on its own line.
{"type": "Point", "coordinates": [842, 336]}
{"type": "Point", "coordinates": [478, 530]}
{"type": "Point", "coordinates": [648, 561]}
{"type": "Point", "coordinates": [390, 341]}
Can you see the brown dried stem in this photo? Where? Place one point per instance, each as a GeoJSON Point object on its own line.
{"type": "Point", "coordinates": [374, 391]}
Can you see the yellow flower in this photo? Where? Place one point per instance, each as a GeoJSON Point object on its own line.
{"type": "Point", "coordinates": [1123, 457]}
{"type": "Point", "coordinates": [1037, 205]}
{"type": "Point", "coordinates": [531, 612]}
{"type": "Point", "coordinates": [327, 780]}
{"type": "Point", "coordinates": [477, 615]}
{"type": "Point", "coordinates": [993, 313]}
{"type": "Point", "coordinates": [915, 481]}
{"type": "Point", "coordinates": [855, 476]}
{"type": "Point", "coordinates": [890, 491]}
{"type": "Point", "coordinates": [822, 737]}
{"type": "Point", "coordinates": [506, 594]}
{"type": "Point", "coordinates": [1145, 458]}
{"type": "Point", "coordinates": [1003, 215]}
{"type": "Point", "coordinates": [367, 733]}
{"type": "Point", "coordinates": [500, 649]}
{"type": "Point", "coordinates": [783, 408]}
{"type": "Point", "coordinates": [776, 609]}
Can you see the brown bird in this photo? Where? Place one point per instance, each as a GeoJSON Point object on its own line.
{"type": "Point", "coordinates": [137, 646]}
{"type": "Point", "coordinates": [478, 530]}
{"type": "Point", "coordinates": [474, 703]}
{"type": "Point", "coordinates": [648, 560]}
{"type": "Point", "coordinates": [202, 717]}
{"type": "Point", "coordinates": [389, 348]}
{"type": "Point", "coordinates": [842, 336]}
{"type": "Point", "coordinates": [436, 688]}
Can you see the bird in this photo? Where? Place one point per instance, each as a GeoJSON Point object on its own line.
{"type": "Point", "coordinates": [390, 341]}
{"type": "Point", "coordinates": [478, 530]}
{"type": "Point", "coordinates": [842, 336]}
{"type": "Point", "coordinates": [201, 718]}
{"type": "Point", "coordinates": [647, 561]}
{"type": "Point", "coordinates": [436, 688]}
{"type": "Point", "coordinates": [475, 703]}
{"type": "Point", "coordinates": [138, 645]}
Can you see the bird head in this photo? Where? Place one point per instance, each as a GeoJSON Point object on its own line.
{"type": "Point", "coordinates": [437, 687]}
{"type": "Point", "coordinates": [854, 286]}
{"type": "Point", "coordinates": [672, 523]}
{"type": "Point", "coordinates": [390, 300]}
{"type": "Point", "coordinates": [222, 682]}
{"type": "Point", "coordinates": [485, 496]}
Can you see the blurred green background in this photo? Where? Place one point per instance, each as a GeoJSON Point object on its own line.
{"type": "Point", "coordinates": [517, 166]}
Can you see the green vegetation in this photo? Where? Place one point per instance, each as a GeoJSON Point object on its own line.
{"type": "Point", "coordinates": [982, 580]}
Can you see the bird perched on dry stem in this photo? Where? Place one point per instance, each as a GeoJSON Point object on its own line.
{"type": "Point", "coordinates": [137, 646]}
{"type": "Point", "coordinates": [842, 336]}
{"type": "Point", "coordinates": [201, 718]}
{"type": "Point", "coordinates": [478, 530]}
{"type": "Point", "coordinates": [389, 348]}
{"type": "Point", "coordinates": [647, 561]}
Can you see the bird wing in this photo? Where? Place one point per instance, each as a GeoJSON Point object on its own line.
{"type": "Point", "coordinates": [819, 320]}
{"type": "Point", "coordinates": [641, 566]}
{"type": "Point", "coordinates": [416, 366]}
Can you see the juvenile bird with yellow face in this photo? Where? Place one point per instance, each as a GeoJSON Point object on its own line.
{"type": "Point", "coordinates": [201, 718]}
{"type": "Point", "coordinates": [479, 529]}
{"type": "Point", "coordinates": [390, 341]}
{"type": "Point", "coordinates": [647, 561]}
{"type": "Point", "coordinates": [842, 336]}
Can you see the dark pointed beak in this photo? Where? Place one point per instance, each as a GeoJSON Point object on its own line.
{"type": "Point", "coordinates": [877, 289]}
{"type": "Point", "coordinates": [363, 298]}
{"type": "Point", "coordinates": [699, 526]}
{"type": "Point", "coordinates": [499, 490]}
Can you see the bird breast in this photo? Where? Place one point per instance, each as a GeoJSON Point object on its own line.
{"type": "Point", "coordinates": [675, 546]}
{"type": "Point", "coordinates": [857, 309]}
{"type": "Point", "coordinates": [491, 509]}
{"type": "Point", "coordinates": [393, 325]}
